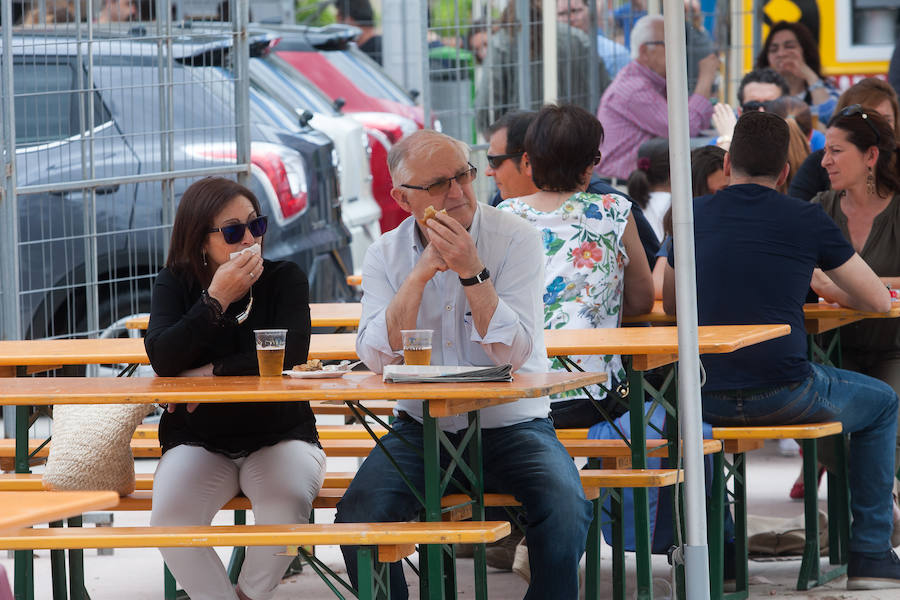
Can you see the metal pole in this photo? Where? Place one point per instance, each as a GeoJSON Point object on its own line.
{"type": "Point", "coordinates": [593, 75]}
{"type": "Point", "coordinates": [425, 64]}
{"type": "Point", "coordinates": [735, 50]}
{"type": "Point", "coordinates": [696, 553]}
{"type": "Point", "coordinates": [241, 18]}
{"type": "Point", "coordinates": [548, 15]}
{"type": "Point", "coordinates": [10, 319]}
{"type": "Point", "coordinates": [757, 27]}
{"type": "Point", "coordinates": [523, 51]}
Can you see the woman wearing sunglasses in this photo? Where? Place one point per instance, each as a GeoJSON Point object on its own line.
{"type": "Point", "coordinates": [862, 165]}
{"type": "Point", "coordinates": [206, 303]}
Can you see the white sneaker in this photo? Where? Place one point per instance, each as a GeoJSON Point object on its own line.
{"type": "Point", "coordinates": [521, 566]}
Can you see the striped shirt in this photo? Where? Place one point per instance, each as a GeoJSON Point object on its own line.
{"type": "Point", "coordinates": [634, 110]}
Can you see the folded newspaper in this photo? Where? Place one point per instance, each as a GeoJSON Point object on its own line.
{"type": "Point", "coordinates": [446, 374]}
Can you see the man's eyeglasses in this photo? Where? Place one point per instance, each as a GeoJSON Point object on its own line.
{"type": "Point", "coordinates": [234, 233]}
{"type": "Point", "coordinates": [439, 188]}
{"type": "Point", "coordinates": [655, 43]}
{"type": "Point", "coordinates": [756, 105]}
{"type": "Point", "coordinates": [495, 160]}
{"type": "Point", "coordinates": [857, 109]}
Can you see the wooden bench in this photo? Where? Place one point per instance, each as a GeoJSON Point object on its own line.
{"type": "Point", "coordinates": [391, 541]}
{"type": "Point", "coordinates": [738, 441]}
{"type": "Point", "coordinates": [352, 443]}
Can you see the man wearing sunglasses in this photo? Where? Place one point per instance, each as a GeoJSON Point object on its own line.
{"type": "Point", "coordinates": [475, 277]}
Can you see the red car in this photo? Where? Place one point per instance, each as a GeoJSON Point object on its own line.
{"type": "Point", "coordinates": [328, 57]}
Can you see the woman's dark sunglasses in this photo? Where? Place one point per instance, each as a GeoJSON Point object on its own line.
{"type": "Point", "coordinates": [439, 188]}
{"type": "Point", "coordinates": [234, 233]}
{"type": "Point", "coordinates": [495, 160]}
{"type": "Point", "coordinates": [857, 109]}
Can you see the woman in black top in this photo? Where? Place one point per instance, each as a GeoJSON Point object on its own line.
{"type": "Point", "coordinates": [204, 309]}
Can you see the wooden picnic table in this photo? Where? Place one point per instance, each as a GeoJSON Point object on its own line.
{"type": "Point", "coordinates": [24, 509]}
{"type": "Point", "coordinates": [440, 400]}
{"type": "Point", "coordinates": [321, 314]}
{"type": "Point", "coordinates": [819, 317]}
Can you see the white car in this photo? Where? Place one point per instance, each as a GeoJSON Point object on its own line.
{"type": "Point", "coordinates": [292, 90]}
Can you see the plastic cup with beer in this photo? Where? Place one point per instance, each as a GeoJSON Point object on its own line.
{"type": "Point", "coordinates": [270, 351]}
{"type": "Point", "coordinates": [416, 346]}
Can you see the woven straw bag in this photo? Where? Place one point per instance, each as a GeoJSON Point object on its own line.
{"type": "Point", "coordinates": [91, 448]}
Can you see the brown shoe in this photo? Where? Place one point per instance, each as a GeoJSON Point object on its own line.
{"type": "Point", "coordinates": [500, 555]}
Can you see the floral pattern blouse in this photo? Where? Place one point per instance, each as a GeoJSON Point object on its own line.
{"type": "Point", "coordinates": [583, 270]}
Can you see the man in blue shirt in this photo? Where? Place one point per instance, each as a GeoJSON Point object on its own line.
{"type": "Point", "coordinates": [756, 251]}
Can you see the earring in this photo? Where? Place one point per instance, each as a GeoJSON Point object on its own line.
{"type": "Point", "coordinates": [870, 182]}
{"type": "Point", "coordinates": [203, 254]}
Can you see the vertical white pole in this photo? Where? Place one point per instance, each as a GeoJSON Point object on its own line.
{"type": "Point", "coordinates": [548, 15]}
{"type": "Point", "coordinates": [696, 553]}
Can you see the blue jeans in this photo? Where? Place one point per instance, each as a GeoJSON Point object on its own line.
{"type": "Point", "coordinates": [866, 407]}
{"type": "Point", "coordinates": [525, 460]}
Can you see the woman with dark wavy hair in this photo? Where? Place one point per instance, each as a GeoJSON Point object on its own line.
{"type": "Point", "coordinates": [792, 51]}
{"type": "Point", "coordinates": [861, 161]}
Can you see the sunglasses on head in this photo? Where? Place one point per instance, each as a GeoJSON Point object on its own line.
{"type": "Point", "coordinates": [441, 187]}
{"type": "Point", "coordinates": [495, 160]}
{"type": "Point", "coordinates": [857, 109]}
{"type": "Point", "coordinates": [234, 233]}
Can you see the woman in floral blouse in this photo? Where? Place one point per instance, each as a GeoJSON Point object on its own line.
{"type": "Point", "coordinates": [595, 268]}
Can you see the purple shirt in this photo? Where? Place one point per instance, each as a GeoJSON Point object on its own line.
{"type": "Point", "coordinates": [632, 111]}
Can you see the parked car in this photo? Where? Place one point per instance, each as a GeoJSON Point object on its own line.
{"type": "Point", "coordinates": [118, 128]}
{"type": "Point", "coordinates": [361, 213]}
{"type": "Point", "coordinates": [328, 57]}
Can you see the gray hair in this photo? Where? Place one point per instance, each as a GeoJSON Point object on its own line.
{"type": "Point", "coordinates": [424, 143]}
{"type": "Point", "coordinates": [642, 32]}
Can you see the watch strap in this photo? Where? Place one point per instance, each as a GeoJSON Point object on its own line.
{"type": "Point", "coordinates": [483, 276]}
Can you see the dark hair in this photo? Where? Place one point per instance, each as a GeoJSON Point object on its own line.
{"type": "Point", "coordinates": [705, 161]}
{"type": "Point", "coordinates": [516, 124]}
{"type": "Point", "coordinates": [652, 170]}
{"type": "Point", "coordinates": [562, 142]}
{"type": "Point", "coordinates": [759, 145]}
{"type": "Point", "coordinates": [869, 92]}
{"type": "Point", "coordinates": [862, 135]}
{"type": "Point", "coordinates": [788, 107]}
{"type": "Point", "coordinates": [763, 75]}
{"type": "Point", "coordinates": [510, 21]}
{"type": "Point", "coordinates": [358, 10]}
{"type": "Point", "coordinates": [199, 205]}
{"type": "Point", "coordinates": [807, 44]}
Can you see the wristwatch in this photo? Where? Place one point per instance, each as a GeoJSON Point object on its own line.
{"type": "Point", "coordinates": [483, 276]}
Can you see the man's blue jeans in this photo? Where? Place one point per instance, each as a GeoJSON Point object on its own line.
{"type": "Point", "coordinates": [525, 460]}
{"type": "Point", "coordinates": [865, 406]}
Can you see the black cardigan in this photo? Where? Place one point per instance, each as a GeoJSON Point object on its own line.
{"type": "Point", "coordinates": [183, 335]}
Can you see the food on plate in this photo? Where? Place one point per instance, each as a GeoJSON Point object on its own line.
{"type": "Point", "coordinates": [311, 365]}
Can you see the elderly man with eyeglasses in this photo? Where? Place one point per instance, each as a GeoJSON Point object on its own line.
{"type": "Point", "coordinates": [634, 106]}
{"type": "Point", "coordinates": [475, 276]}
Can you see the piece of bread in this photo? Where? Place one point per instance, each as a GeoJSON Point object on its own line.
{"type": "Point", "coordinates": [430, 212]}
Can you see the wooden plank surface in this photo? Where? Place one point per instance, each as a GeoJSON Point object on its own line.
{"type": "Point", "coordinates": [353, 386]}
{"type": "Point", "coordinates": [637, 341]}
{"type": "Point", "coordinates": [777, 432]}
{"type": "Point", "coordinates": [23, 509]}
{"type": "Point", "coordinates": [321, 314]}
{"type": "Point", "coordinates": [256, 535]}
{"type": "Point", "coordinates": [629, 478]}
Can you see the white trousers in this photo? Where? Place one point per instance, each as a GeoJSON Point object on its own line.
{"type": "Point", "coordinates": [191, 484]}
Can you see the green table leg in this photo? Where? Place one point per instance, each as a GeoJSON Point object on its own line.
{"type": "Point", "coordinates": [371, 585]}
{"type": "Point", "coordinates": [475, 464]}
{"type": "Point", "coordinates": [716, 531]}
{"type": "Point", "coordinates": [23, 570]}
{"type": "Point", "coordinates": [592, 554]}
{"type": "Point", "coordinates": [644, 579]}
{"type": "Point", "coordinates": [238, 553]}
{"type": "Point", "coordinates": [170, 587]}
{"type": "Point", "coordinates": [58, 569]}
{"type": "Point", "coordinates": [76, 568]}
{"type": "Point", "coordinates": [618, 538]}
{"type": "Point", "coordinates": [432, 584]}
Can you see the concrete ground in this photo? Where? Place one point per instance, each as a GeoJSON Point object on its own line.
{"type": "Point", "coordinates": [137, 574]}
